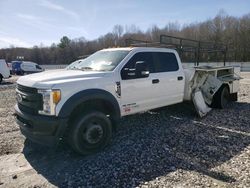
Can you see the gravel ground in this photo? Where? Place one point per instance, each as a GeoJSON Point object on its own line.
{"type": "Point", "coordinates": [173, 148]}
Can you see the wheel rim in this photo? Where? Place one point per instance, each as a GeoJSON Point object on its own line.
{"type": "Point", "coordinates": [93, 133]}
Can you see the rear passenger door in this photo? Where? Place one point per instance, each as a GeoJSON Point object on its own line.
{"type": "Point", "coordinates": [169, 79]}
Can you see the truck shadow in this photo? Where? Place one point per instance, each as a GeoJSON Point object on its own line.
{"type": "Point", "coordinates": [147, 146]}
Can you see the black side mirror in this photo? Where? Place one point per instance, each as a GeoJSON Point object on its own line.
{"type": "Point", "coordinates": [128, 73]}
{"type": "Point", "coordinates": [141, 69]}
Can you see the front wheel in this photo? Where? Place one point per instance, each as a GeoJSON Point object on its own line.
{"type": "Point", "coordinates": [90, 133]}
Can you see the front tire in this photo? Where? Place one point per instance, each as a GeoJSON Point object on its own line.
{"type": "Point", "coordinates": [90, 133]}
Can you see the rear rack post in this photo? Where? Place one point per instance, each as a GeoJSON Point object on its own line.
{"type": "Point", "coordinates": [225, 56]}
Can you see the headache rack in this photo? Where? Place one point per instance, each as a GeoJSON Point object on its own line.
{"type": "Point", "coordinates": [187, 48]}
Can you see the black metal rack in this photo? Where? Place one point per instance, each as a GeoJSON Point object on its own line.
{"type": "Point", "coordinates": [183, 45]}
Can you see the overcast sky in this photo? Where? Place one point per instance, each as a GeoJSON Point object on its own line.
{"type": "Point", "coordinates": [31, 22]}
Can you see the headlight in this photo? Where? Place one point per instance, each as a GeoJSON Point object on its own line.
{"type": "Point", "coordinates": [50, 99]}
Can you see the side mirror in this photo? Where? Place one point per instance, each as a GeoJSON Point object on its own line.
{"type": "Point", "coordinates": [141, 69]}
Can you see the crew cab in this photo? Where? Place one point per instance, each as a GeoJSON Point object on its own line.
{"type": "Point", "coordinates": [84, 102]}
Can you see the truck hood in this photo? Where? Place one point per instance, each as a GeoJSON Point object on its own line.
{"type": "Point", "coordinates": [48, 78]}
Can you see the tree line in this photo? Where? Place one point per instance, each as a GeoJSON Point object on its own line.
{"type": "Point", "coordinates": [233, 31]}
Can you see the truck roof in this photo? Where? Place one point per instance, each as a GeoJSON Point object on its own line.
{"type": "Point", "coordinates": [154, 49]}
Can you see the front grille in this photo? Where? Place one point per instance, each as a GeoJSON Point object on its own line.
{"type": "Point", "coordinates": [27, 109]}
{"type": "Point", "coordinates": [26, 89]}
{"type": "Point", "coordinates": [31, 101]}
{"type": "Point", "coordinates": [25, 122]}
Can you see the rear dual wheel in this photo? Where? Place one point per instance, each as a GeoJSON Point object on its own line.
{"type": "Point", "coordinates": [222, 98]}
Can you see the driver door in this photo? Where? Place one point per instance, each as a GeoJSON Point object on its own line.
{"type": "Point", "coordinates": [137, 94]}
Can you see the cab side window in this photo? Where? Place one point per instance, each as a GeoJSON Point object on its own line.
{"type": "Point", "coordinates": [140, 56]}
{"type": "Point", "coordinates": [165, 62]}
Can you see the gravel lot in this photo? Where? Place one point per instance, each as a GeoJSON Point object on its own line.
{"type": "Point", "coordinates": [147, 150]}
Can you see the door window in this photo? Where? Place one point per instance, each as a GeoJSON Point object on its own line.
{"type": "Point", "coordinates": [38, 67]}
{"type": "Point", "coordinates": [140, 56]}
{"type": "Point", "coordinates": [165, 62]}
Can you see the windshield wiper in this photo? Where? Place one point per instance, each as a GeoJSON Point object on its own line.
{"type": "Point", "coordinates": [72, 68]}
{"type": "Point", "coordinates": [80, 68]}
{"type": "Point", "coordinates": [86, 68]}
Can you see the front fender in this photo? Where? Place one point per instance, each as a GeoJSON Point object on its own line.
{"type": "Point", "coordinates": [86, 95]}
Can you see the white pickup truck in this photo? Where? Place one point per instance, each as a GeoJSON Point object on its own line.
{"type": "Point", "coordinates": [84, 102]}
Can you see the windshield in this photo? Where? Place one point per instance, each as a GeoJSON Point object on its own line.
{"type": "Point", "coordinates": [73, 64]}
{"type": "Point", "coordinates": [100, 61]}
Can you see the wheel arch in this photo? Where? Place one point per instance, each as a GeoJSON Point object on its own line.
{"type": "Point", "coordinates": [97, 99]}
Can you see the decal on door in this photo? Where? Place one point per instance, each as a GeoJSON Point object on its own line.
{"type": "Point", "coordinates": [129, 107]}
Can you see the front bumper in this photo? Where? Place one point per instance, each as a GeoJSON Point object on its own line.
{"type": "Point", "coordinates": [41, 129]}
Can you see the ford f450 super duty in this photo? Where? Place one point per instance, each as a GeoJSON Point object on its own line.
{"type": "Point", "coordinates": [84, 102]}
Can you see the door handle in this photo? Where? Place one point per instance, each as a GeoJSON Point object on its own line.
{"type": "Point", "coordinates": [180, 78]}
{"type": "Point", "coordinates": [155, 81]}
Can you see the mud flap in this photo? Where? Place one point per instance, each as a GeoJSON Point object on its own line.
{"type": "Point", "coordinates": [201, 107]}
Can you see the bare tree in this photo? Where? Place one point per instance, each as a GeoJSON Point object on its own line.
{"type": "Point", "coordinates": [233, 31]}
